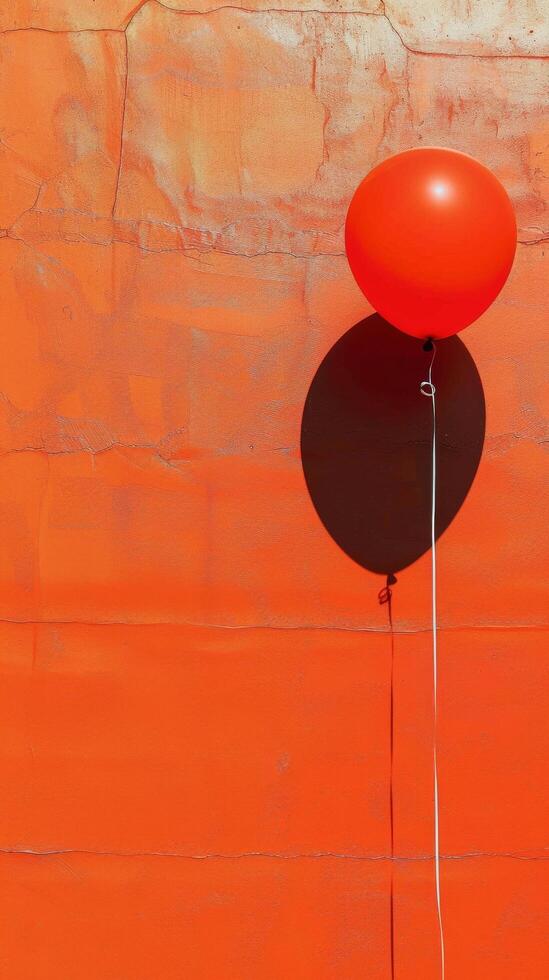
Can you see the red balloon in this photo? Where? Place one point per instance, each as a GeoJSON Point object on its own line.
{"type": "Point", "coordinates": [430, 237]}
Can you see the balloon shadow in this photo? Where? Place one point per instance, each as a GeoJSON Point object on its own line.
{"type": "Point", "coordinates": [366, 442]}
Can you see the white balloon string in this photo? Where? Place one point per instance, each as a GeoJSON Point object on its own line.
{"type": "Point", "coordinates": [428, 389]}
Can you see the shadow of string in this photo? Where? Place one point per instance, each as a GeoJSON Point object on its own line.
{"type": "Point", "coordinates": [385, 598]}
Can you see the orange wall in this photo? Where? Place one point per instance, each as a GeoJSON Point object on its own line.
{"type": "Point", "coordinates": [195, 679]}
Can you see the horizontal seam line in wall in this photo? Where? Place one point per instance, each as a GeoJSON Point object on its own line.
{"type": "Point", "coordinates": [380, 14]}
{"type": "Point", "coordinates": [262, 626]}
{"type": "Point", "coordinates": [273, 855]}
{"type": "Point", "coordinates": [194, 252]}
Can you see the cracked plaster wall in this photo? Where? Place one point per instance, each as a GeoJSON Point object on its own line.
{"type": "Point", "coordinates": [190, 667]}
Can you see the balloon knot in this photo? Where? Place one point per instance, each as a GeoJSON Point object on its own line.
{"type": "Point", "coordinates": [428, 345]}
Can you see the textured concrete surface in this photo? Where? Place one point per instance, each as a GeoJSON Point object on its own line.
{"type": "Point", "coordinates": [195, 679]}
